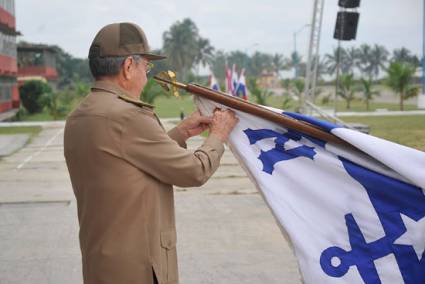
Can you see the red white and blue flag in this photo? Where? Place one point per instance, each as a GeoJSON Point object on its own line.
{"type": "Point", "coordinates": [241, 90]}
{"type": "Point", "coordinates": [229, 84]}
{"type": "Point", "coordinates": [234, 80]}
{"type": "Point", "coordinates": [213, 83]}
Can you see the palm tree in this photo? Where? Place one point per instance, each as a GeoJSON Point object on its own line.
{"type": "Point", "coordinates": [346, 90]}
{"type": "Point", "coordinates": [378, 59]}
{"type": "Point", "coordinates": [332, 61]}
{"type": "Point", "coordinates": [364, 56]}
{"type": "Point", "coordinates": [321, 66]}
{"type": "Point", "coordinates": [298, 87]}
{"type": "Point", "coordinates": [399, 79]}
{"type": "Point", "coordinates": [279, 63]}
{"type": "Point", "coordinates": [295, 61]}
{"type": "Point", "coordinates": [351, 59]}
{"type": "Point", "coordinates": [368, 92]}
{"type": "Point", "coordinates": [259, 62]}
{"type": "Point", "coordinates": [181, 44]}
{"type": "Point", "coordinates": [205, 52]}
{"type": "Point", "coordinates": [372, 59]}
{"type": "Point", "coordinates": [239, 58]}
{"type": "Point", "coordinates": [404, 55]}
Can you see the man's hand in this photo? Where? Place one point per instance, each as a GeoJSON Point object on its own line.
{"type": "Point", "coordinates": [194, 125]}
{"type": "Point", "coordinates": [223, 123]}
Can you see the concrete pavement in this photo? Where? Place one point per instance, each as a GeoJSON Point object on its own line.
{"type": "Point", "coordinates": [226, 233]}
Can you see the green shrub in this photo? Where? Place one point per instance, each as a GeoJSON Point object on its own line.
{"type": "Point", "coordinates": [31, 93]}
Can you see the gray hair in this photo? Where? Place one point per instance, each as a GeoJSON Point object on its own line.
{"type": "Point", "coordinates": [108, 66]}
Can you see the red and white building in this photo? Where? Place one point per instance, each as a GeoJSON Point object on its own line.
{"type": "Point", "coordinates": [9, 95]}
{"type": "Point", "coordinates": [36, 62]}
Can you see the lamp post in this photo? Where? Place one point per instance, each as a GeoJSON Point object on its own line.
{"type": "Point", "coordinates": [296, 61]}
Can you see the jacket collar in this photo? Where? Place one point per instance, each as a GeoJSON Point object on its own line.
{"type": "Point", "coordinates": [113, 88]}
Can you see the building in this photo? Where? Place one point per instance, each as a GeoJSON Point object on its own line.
{"type": "Point", "coordinates": [37, 62]}
{"type": "Point", "coordinates": [9, 95]}
{"type": "Point", "coordinates": [268, 80]}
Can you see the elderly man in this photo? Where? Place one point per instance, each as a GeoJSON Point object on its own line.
{"type": "Point", "coordinates": [123, 164]}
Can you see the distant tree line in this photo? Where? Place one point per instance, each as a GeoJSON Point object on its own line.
{"type": "Point", "coordinates": [187, 51]}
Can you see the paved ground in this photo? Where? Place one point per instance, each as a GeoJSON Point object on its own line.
{"type": "Point", "coordinates": [11, 143]}
{"type": "Point", "coordinates": [226, 234]}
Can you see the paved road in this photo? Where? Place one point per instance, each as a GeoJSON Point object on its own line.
{"type": "Point", "coordinates": [226, 234]}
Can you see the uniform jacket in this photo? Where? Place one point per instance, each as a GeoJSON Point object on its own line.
{"type": "Point", "coordinates": [122, 166]}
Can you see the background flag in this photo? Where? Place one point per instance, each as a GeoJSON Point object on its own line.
{"type": "Point", "coordinates": [229, 84]}
{"type": "Point", "coordinates": [213, 83]}
{"type": "Point", "coordinates": [234, 80]}
{"type": "Point", "coordinates": [241, 90]}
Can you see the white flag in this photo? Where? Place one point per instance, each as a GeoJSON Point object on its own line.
{"type": "Point", "coordinates": [351, 216]}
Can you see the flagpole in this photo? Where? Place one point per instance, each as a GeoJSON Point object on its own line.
{"type": "Point", "coordinates": [248, 107]}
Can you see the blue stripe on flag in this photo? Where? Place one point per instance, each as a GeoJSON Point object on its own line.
{"type": "Point", "coordinates": [328, 126]}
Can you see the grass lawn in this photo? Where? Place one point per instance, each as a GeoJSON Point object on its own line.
{"type": "Point", "coordinates": [33, 130]}
{"type": "Point", "coordinates": [167, 107]}
{"type": "Point", "coordinates": [405, 130]}
{"type": "Point", "coordinates": [356, 105]}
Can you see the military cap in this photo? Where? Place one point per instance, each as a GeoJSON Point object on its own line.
{"type": "Point", "coordinates": [121, 39]}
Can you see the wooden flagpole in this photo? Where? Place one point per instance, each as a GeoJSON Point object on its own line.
{"type": "Point", "coordinates": [245, 106]}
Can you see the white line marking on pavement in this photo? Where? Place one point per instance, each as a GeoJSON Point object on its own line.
{"type": "Point", "coordinates": [29, 158]}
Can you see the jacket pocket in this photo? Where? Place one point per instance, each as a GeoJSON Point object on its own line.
{"type": "Point", "coordinates": [169, 256]}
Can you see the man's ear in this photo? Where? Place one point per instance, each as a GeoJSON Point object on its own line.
{"type": "Point", "coordinates": [127, 68]}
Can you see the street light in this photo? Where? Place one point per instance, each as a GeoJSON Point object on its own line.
{"type": "Point", "coordinates": [295, 49]}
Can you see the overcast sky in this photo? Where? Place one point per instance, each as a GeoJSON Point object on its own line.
{"type": "Point", "coordinates": [266, 25]}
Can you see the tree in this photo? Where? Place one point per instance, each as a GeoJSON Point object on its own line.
{"type": "Point", "coordinates": [351, 59]}
{"type": "Point", "coordinates": [286, 85]}
{"type": "Point", "coordinates": [218, 64]}
{"type": "Point", "coordinates": [399, 79]}
{"type": "Point", "coordinates": [152, 91]}
{"type": "Point", "coordinates": [332, 61]}
{"type": "Point", "coordinates": [372, 59]}
{"type": "Point", "coordinates": [71, 69]}
{"type": "Point", "coordinates": [260, 61]}
{"type": "Point", "coordinates": [58, 103]}
{"type": "Point", "coordinates": [379, 57]}
{"type": "Point", "coordinates": [321, 67]}
{"type": "Point", "coordinates": [241, 59]}
{"type": "Point", "coordinates": [346, 90]}
{"type": "Point", "coordinates": [367, 90]}
{"type": "Point", "coordinates": [295, 61]}
{"type": "Point", "coordinates": [205, 52]}
{"type": "Point", "coordinates": [259, 94]}
{"type": "Point", "coordinates": [279, 63]}
{"type": "Point", "coordinates": [31, 93]}
{"type": "Point", "coordinates": [298, 87]}
{"type": "Point", "coordinates": [364, 56]}
{"type": "Point", "coordinates": [81, 88]}
{"type": "Point", "coordinates": [182, 45]}
{"type": "Point", "coordinates": [405, 56]}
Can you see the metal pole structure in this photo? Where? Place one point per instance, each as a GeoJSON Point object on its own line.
{"type": "Point", "coordinates": [295, 48]}
{"type": "Point", "coordinates": [421, 97]}
{"type": "Point", "coordinates": [338, 60]}
{"type": "Point", "coordinates": [313, 53]}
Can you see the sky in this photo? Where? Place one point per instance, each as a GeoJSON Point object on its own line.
{"type": "Point", "coordinates": [246, 25]}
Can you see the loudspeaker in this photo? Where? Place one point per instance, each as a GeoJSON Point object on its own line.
{"type": "Point", "coordinates": [349, 3]}
{"type": "Point", "coordinates": [346, 25]}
